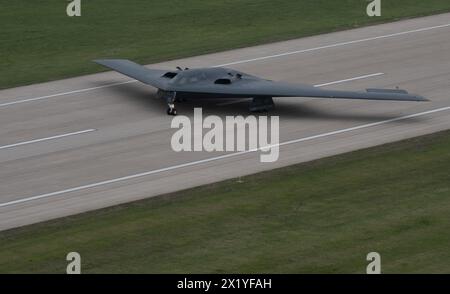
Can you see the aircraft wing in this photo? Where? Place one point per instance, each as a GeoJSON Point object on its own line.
{"type": "Point", "coordinates": [136, 71]}
{"type": "Point", "coordinates": [259, 87]}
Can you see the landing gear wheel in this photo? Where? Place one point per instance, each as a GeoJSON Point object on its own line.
{"type": "Point", "coordinates": [171, 111]}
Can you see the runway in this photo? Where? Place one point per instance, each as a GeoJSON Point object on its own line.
{"type": "Point", "coordinates": [94, 141]}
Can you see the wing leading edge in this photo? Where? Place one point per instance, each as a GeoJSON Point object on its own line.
{"type": "Point", "coordinates": [136, 71]}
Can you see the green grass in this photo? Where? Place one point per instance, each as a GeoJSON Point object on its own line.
{"type": "Point", "coordinates": [318, 217]}
{"type": "Point", "coordinates": [39, 42]}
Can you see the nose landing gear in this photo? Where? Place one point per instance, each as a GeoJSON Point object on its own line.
{"type": "Point", "coordinates": [171, 110]}
{"type": "Point", "coordinates": [170, 99]}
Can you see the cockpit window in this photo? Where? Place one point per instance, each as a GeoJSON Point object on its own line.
{"type": "Point", "coordinates": [170, 75]}
{"type": "Point", "coordinates": [191, 77]}
{"type": "Point", "coordinates": [214, 75]}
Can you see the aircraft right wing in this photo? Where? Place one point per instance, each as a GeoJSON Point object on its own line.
{"type": "Point", "coordinates": [255, 88]}
{"type": "Point", "coordinates": [153, 77]}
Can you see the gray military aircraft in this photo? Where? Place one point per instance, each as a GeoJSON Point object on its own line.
{"type": "Point", "coordinates": [221, 82]}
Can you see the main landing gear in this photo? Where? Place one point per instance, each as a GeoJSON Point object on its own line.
{"type": "Point", "coordinates": [261, 104]}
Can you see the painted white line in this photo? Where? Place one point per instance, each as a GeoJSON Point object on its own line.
{"type": "Point", "coordinates": [350, 79]}
{"type": "Point", "coordinates": [364, 126]}
{"type": "Point", "coordinates": [65, 93]}
{"type": "Point", "coordinates": [193, 163]}
{"type": "Point", "coordinates": [242, 61]}
{"type": "Point", "coordinates": [319, 85]}
{"type": "Point", "coordinates": [47, 139]}
{"type": "Point", "coordinates": [336, 45]}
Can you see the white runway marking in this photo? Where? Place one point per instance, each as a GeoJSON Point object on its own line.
{"type": "Point", "coordinates": [319, 85]}
{"type": "Point", "coordinates": [65, 93]}
{"type": "Point", "coordinates": [350, 79]}
{"type": "Point", "coordinates": [47, 139]}
{"type": "Point", "coordinates": [336, 45]}
{"type": "Point", "coordinates": [143, 174]}
{"type": "Point", "coordinates": [240, 62]}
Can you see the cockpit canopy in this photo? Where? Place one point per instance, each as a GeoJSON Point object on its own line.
{"type": "Point", "coordinates": [222, 76]}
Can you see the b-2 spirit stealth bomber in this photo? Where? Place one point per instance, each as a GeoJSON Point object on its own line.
{"type": "Point", "coordinates": [219, 82]}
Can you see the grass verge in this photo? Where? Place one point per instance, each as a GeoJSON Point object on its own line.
{"type": "Point", "coordinates": [39, 42]}
{"type": "Point", "coordinates": [318, 217]}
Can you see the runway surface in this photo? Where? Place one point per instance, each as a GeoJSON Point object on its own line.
{"type": "Point", "coordinates": [94, 141]}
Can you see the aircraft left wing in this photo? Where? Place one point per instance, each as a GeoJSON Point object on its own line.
{"type": "Point", "coordinates": [136, 71]}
